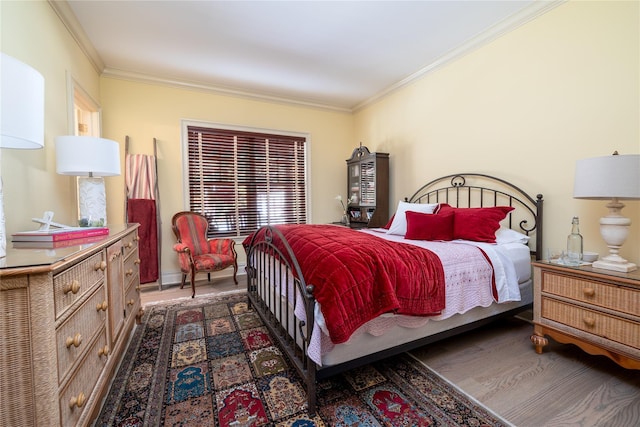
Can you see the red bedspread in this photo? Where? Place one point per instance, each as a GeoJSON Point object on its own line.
{"type": "Point", "coordinates": [358, 276]}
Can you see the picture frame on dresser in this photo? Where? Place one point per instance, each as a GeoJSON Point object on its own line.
{"type": "Point", "coordinates": [597, 310]}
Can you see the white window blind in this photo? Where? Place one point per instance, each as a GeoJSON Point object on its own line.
{"type": "Point", "coordinates": [243, 180]}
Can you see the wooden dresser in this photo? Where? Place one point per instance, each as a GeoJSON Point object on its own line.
{"type": "Point", "coordinates": [597, 310]}
{"type": "Point", "coordinates": [65, 318]}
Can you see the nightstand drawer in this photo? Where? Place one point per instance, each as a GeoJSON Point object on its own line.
{"type": "Point", "coordinates": [610, 327]}
{"type": "Point", "coordinates": [616, 298]}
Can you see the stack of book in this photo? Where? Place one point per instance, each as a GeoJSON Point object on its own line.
{"type": "Point", "coordinates": [58, 237]}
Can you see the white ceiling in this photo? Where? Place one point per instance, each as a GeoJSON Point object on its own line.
{"type": "Point", "coordinates": [334, 54]}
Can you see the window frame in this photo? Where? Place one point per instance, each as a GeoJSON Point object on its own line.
{"type": "Point", "coordinates": [214, 125]}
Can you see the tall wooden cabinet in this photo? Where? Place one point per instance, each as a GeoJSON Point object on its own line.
{"type": "Point", "coordinates": [65, 319]}
{"type": "Point", "coordinates": [368, 188]}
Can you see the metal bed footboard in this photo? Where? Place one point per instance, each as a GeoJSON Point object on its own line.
{"type": "Point", "coordinates": [274, 285]}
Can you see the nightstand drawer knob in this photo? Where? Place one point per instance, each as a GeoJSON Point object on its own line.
{"type": "Point", "coordinates": [589, 292]}
{"type": "Point", "coordinates": [589, 321]}
{"type": "Point", "coordinates": [103, 306]}
{"type": "Point", "coordinates": [102, 265]}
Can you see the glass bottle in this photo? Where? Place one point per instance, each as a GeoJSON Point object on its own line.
{"type": "Point", "coordinates": [574, 243]}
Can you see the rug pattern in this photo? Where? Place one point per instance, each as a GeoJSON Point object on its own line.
{"type": "Point", "coordinates": [211, 362]}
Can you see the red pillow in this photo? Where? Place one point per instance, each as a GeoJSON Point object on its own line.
{"type": "Point", "coordinates": [388, 226]}
{"type": "Point", "coordinates": [477, 224]}
{"type": "Point", "coordinates": [421, 226]}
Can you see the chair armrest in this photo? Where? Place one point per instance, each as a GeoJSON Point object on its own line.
{"type": "Point", "coordinates": [181, 247]}
{"type": "Point", "coordinates": [222, 246]}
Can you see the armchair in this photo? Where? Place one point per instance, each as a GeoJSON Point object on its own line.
{"type": "Point", "coordinates": [197, 253]}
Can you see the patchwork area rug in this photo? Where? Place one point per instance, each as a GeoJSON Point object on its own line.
{"type": "Point", "coordinates": [211, 362]}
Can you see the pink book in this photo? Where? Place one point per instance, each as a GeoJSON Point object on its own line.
{"type": "Point", "coordinates": [57, 235]}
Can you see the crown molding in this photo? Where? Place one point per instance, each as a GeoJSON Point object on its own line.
{"type": "Point", "coordinates": [220, 90]}
{"type": "Point", "coordinates": [66, 15]}
{"type": "Point", "coordinates": [68, 18]}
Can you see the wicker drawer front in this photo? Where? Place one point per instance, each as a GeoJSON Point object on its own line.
{"type": "Point", "coordinates": [77, 331]}
{"type": "Point", "coordinates": [130, 244]}
{"type": "Point", "coordinates": [131, 268]}
{"type": "Point", "coordinates": [74, 397]}
{"type": "Point", "coordinates": [73, 283]}
{"type": "Point", "coordinates": [610, 327]}
{"type": "Point", "coordinates": [132, 300]}
{"type": "Point", "coordinates": [617, 298]}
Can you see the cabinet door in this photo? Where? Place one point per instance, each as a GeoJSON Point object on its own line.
{"type": "Point", "coordinates": [353, 195]}
{"type": "Point", "coordinates": [115, 281]}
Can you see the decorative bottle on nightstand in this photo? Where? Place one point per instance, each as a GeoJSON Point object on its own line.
{"type": "Point", "coordinates": [574, 243]}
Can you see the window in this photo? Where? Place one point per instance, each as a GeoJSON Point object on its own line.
{"type": "Point", "coordinates": [242, 180]}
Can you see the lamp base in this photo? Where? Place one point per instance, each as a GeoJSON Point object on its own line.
{"type": "Point", "coordinates": [92, 201]}
{"type": "Point", "coordinates": [624, 267]}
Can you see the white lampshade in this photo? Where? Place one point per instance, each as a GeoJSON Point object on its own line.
{"type": "Point", "coordinates": [87, 156]}
{"type": "Point", "coordinates": [22, 114]}
{"type": "Point", "coordinates": [608, 177]}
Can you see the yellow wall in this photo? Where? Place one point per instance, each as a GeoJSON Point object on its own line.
{"type": "Point", "coordinates": [32, 33]}
{"type": "Point", "coordinates": [565, 86]}
{"type": "Point", "coordinates": [144, 112]}
{"type": "Point", "coordinates": [562, 87]}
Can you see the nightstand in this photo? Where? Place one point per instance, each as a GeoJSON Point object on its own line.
{"type": "Point", "coordinates": [597, 310]}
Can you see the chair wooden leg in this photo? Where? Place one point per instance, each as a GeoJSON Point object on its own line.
{"type": "Point", "coordinates": [184, 278]}
{"type": "Point", "coordinates": [235, 271]}
{"type": "Point", "coordinates": [193, 283]}
{"type": "Point", "coordinates": [209, 277]}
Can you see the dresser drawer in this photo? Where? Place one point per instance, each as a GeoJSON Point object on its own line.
{"type": "Point", "coordinates": [130, 244]}
{"type": "Point", "coordinates": [75, 396]}
{"type": "Point", "coordinates": [73, 336]}
{"type": "Point", "coordinates": [610, 327]}
{"type": "Point", "coordinates": [131, 269]}
{"type": "Point", "coordinates": [132, 299]}
{"type": "Point", "coordinates": [70, 285]}
{"type": "Point", "coordinates": [617, 298]}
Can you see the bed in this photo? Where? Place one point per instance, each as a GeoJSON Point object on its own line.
{"type": "Point", "coordinates": [290, 270]}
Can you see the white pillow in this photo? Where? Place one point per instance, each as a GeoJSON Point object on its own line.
{"type": "Point", "coordinates": [507, 235]}
{"type": "Point", "coordinates": [399, 224]}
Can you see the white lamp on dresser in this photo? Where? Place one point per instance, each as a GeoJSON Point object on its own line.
{"type": "Point", "coordinates": [615, 178]}
{"type": "Point", "coordinates": [89, 158]}
{"type": "Point", "coordinates": [22, 116]}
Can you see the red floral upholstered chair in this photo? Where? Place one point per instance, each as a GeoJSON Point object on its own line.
{"type": "Point", "coordinates": [196, 252]}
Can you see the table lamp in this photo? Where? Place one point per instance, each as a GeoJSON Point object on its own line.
{"type": "Point", "coordinates": [615, 178]}
{"type": "Point", "coordinates": [22, 116]}
{"type": "Point", "coordinates": [89, 158]}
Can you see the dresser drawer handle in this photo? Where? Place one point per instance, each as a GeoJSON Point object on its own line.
{"type": "Point", "coordinates": [129, 272]}
{"type": "Point", "coordinates": [102, 265]}
{"type": "Point", "coordinates": [131, 302]}
{"type": "Point", "coordinates": [77, 401]}
{"type": "Point", "coordinates": [75, 341]}
{"type": "Point", "coordinates": [137, 261]}
{"type": "Point", "coordinates": [589, 321]}
{"type": "Point", "coordinates": [589, 292]}
{"type": "Point", "coordinates": [129, 245]}
{"type": "Point", "coordinates": [102, 307]}
{"type": "Point", "coordinates": [72, 287]}
{"type": "Point", "coordinates": [104, 351]}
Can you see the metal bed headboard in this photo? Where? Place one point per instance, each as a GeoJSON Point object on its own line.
{"type": "Point", "coordinates": [480, 190]}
